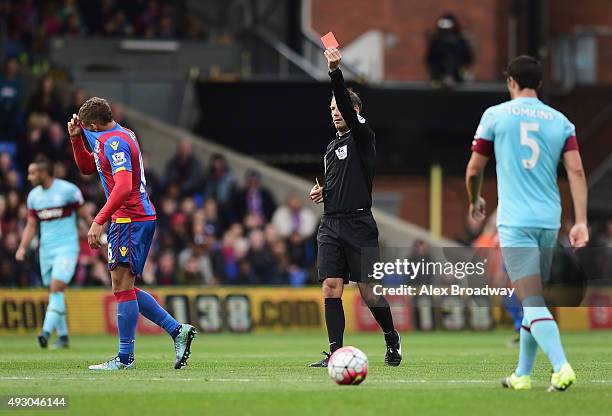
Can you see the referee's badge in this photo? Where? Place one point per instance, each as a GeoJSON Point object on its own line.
{"type": "Point", "coordinates": [342, 152]}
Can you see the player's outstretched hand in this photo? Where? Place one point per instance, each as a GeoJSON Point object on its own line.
{"type": "Point", "coordinates": [93, 235]}
{"type": "Point", "coordinates": [579, 235]}
{"type": "Point", "coordinates": [20, 254]}
{"type": "Point", "coordinates": [316, 194]}
{"type": "Point", "coordinates": [334, 57]}
{"type": "Point", "coordinates": [74, 126]}
{"type": "Point", "coordinates": [478, 210]}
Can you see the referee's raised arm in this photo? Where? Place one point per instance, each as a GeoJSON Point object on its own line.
{"type": "Point", "coordinates": [348, 109]}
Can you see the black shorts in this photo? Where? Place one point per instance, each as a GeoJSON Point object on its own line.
{"type": "Point", "coordinates": [347, 247]}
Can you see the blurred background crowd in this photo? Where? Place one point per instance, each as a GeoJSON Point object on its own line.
{"type": "Point", "coordinates": [210, 229]}
{"type": "Point", "coordinates": [31, 23]}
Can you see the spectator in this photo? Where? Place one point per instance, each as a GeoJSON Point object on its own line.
{"type": "Point", "coordinates": [153, 181]}
{"type": "Point", "coordinates": [11, 96]}
{"type": "Point", "coordinates": [165, 273]}
{"type": "Point", "coordinates": [600, 254]}
{"type": "Point", "coordinates": [179, 231]}
{"type": "Point", "coordinates": [77, 98]}
{"type": "Point", "coordinates": [199, 264]}
{"type": "Point", "coordinates": [254, 199]}
{"type": "Point", "coordinates": [421, 252]}
{"type": "Point", "coordinates": [184, 170]}
{"type": "Point", "coordinates": [191, 270]}
{"type": "Point", "coordinates": [3, 219]}
{"type": "Point", "coordinates": [261, 258]}
{"type": "Point", "coordinates": [167, 28]}
{"type": "Point", "coordinates": [449, 54]}
{"type": "Point", "coordinates": [6, 169]}
{"type": "Point", "coordinates": [57, 143]}
{"type": "Point", "coordinates": [51, 23]}
{"type": "Point", "coordinates": [117, 26]}
{"type": "Point", "coordinates": [213, 224]}
{"type": "Point", "coordinates": [72, 23]}
{"type": "Point", "coordinates": [44, 105]}
{"type": "Point", "coordinates": [32, 145]}
{"type": "Point", "coordinates": [119, 115]}
{"type": "Point", "coordinates": [293, 217]}
{"type": "Point", "coordinates": [194, 29]}
{"type": "Point", "coordinates": [60, 170]}
{"type": "Point", "coordinates": [149, 19]}
{"type": "Point", "coordinates": [13, 273]}
{"type": "Point", "coordinates": [234, 249]}
{"type": "Point", "coordinates": [220, 183]}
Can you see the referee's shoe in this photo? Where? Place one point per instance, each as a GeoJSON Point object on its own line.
{"type": "Point", "coordinates": [393, 356]}
{"type": "Point", "coordinates": [323, 363]}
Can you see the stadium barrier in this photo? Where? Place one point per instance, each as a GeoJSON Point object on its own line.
{"type": "Point", "coordinates": [246, 309]}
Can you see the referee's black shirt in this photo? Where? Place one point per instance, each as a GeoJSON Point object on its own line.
{"type": "Point", "coordinates": [349, 160]}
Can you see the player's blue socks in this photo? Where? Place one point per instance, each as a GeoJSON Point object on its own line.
{"type": "Point", "coordinates": [127, 318]}
{"type": "Point", "coordinates": [153, 311]}
{"type": "Point", "coordinates": [544, 330]}
{"type": "Point", "coordinates": [55, 317]}
{"type": "Point", "coordinates": [527, 352]}
{"type": "Point", "coordinates": [61, 325]}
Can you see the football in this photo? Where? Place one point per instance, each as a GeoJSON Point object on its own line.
{"type": "Point", "coordinates": [348, 365]}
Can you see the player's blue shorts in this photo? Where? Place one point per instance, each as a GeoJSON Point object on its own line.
{"type": "Point", "coordinates": [527, 251]}
{"type": "Point", "coordinates": [129, 244]}
{"type": "Point", "coordinates": [59, 264]}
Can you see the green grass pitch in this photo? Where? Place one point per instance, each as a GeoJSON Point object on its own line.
{"type": "Point", "coordinates": [265, 374]}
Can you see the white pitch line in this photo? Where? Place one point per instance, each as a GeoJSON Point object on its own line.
{"type": "Point", "coordinates": [249, 380]}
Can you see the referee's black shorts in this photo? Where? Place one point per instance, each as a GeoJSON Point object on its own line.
{"type": "Point", "coordinates": [347, 247]}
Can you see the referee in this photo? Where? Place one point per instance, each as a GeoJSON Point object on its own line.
{"type": "Point", "coordinates": [348, 227]}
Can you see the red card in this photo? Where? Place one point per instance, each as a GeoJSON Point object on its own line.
{"type": "Point", "coordinates": [329, 41]}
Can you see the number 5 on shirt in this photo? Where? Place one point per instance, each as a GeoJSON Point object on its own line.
{"type": "Point", "coordinates": [531, 143]}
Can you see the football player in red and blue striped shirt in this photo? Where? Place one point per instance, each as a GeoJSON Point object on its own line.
{"type": "Point", "coordinates": [117, 158]}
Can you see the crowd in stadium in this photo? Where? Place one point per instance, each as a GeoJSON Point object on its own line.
{"type": "Point", "coordinates": [210, 229]}
{"type": "Point", "coordinates": [30, 23]}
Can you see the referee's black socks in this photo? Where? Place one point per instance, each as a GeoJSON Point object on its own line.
{"type": "Point", "coordinates": [382, 313]}
{"type": "Point", "coordinates": [334, 320]}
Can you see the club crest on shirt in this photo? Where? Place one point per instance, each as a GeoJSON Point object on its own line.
{"type": "Point", "coordinates": [97, 147]}
{"type": "Point", "coordinates": [342, 152]}
{"type": "Point", "coordinates": [115, 145]}
{"type": "Point", "coordinates": [119, 158]}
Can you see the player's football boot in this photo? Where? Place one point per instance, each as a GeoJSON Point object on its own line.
{"type": "Point", "coordinates": [563, 379]}
{"type": "Point", "coordinates": [517, 383]}
{"type": "Point", "coordinates": [182, 345]}
{"type": "Point", "coordinates": [43, 339]}
{"type": "Point", "coordinates": [393, 356]}
{"type": "Point", "coordinates": [323, 362]}
{"type": "Point", "coordinates": [112, 365]}
{"type": "Point", "coordinates": [61, 343]}
{"type": "Point", "coordinates": [514, 342]}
